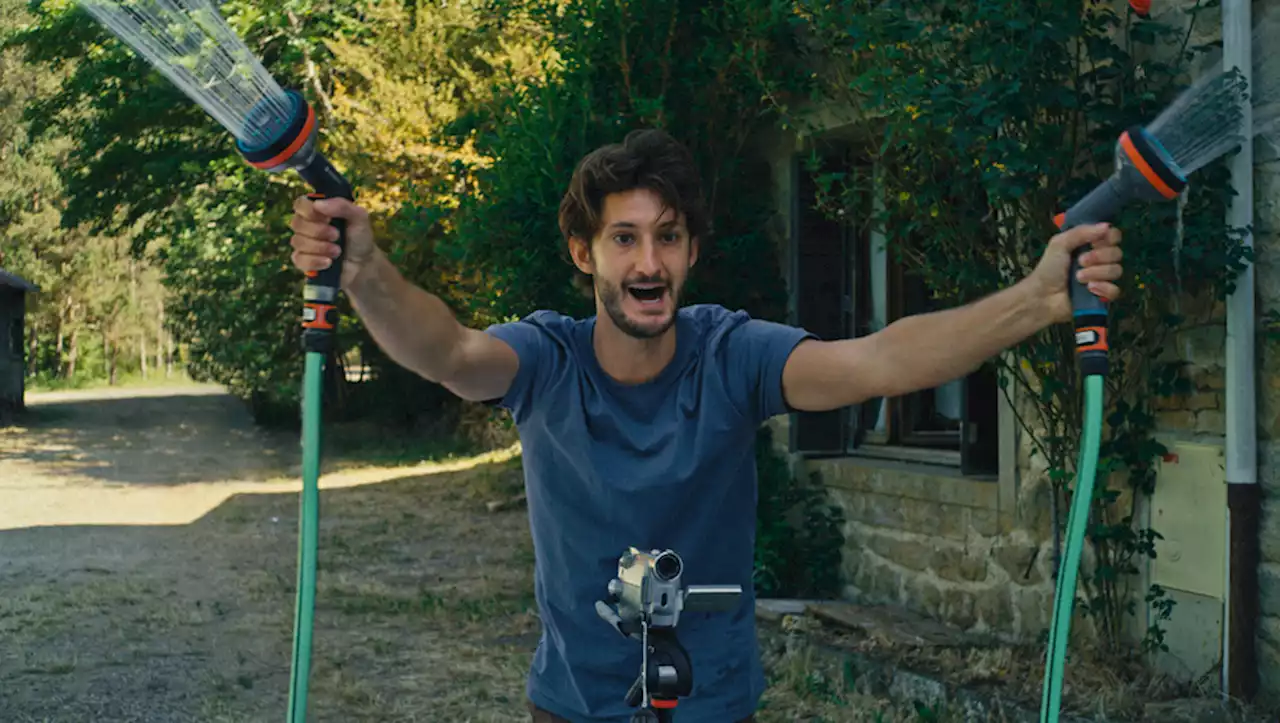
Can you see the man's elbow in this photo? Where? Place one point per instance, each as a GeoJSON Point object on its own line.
{"type": "Point", "coordinates": [481, 368]}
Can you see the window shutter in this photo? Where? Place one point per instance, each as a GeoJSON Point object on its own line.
{"type": "Point", "coordinates": [980, 423]}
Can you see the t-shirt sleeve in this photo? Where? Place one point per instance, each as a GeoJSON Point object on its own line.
{"type": "Point", "coordinates": [759, 350]}
{"type": "Point", "coordinates": [532, 346]}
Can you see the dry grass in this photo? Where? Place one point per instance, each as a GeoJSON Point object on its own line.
{"type": "Point", "coordinates": [1095, 686]}
{"type": "Point", "coordinates": [807, 686]}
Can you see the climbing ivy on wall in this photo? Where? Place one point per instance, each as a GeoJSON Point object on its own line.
{"type": "Point", "coordinates": [989, 118]}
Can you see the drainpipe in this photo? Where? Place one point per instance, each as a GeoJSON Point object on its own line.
{"type": "Point", "coordinates": [1239, 634]}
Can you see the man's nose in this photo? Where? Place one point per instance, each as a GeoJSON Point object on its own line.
{"type": "Point", "coordinates": [649, 263]}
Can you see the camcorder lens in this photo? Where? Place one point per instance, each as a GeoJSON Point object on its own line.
{"type": "Point", "coordinates": [667, 566]}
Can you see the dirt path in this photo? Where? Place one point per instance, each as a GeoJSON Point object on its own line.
{"type": "Point", "coordinates": [115, 456]}
{"type": "Point", "coordinates": [147, 560]}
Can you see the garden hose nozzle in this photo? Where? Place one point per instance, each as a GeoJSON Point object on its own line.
{"type": "Point", "coordinates": [292, 145]}
{"type": "Point", "coordinates": [1141, 7]}
{"type": "Point", "coordinates": [1144, 171]}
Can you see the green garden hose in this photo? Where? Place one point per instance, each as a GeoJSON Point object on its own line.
{"type": "Point", "coordinates": [1077, 524]}
{"type": "Point", "coordinates": [308, 533]}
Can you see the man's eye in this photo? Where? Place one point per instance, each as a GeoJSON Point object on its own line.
{"type": "Point", "coordinates": [671, 238]}
{"type": "Point", "coordinates": [623, 238]}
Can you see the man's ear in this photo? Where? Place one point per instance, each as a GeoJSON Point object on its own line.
{"type": "Point", "coordinates": [693, 251]}
{"type": "Point", "coordinates": [580, 250]}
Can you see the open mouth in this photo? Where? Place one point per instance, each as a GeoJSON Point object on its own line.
{"type": "Point", "coordinates": [648, 294]}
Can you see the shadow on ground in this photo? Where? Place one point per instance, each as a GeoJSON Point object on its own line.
{"type": "Point", "coordinates": [424, 610]}
{"type": "Point", "coordinates": [147, 437]}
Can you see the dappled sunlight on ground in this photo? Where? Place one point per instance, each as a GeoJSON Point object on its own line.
{"type": "Point", "coordinates": [160, 456]}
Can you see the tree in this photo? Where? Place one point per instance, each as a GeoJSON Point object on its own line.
{"type": "Point", "coordinates": [142, 157]}
{"type": "Point", "coordinates": [76, 268]}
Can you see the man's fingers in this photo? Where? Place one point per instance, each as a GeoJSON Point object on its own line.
{"type": "Point", "coordinates": [1105, 289]}
{"type": "Point", "coordinates": [1107, 237]}
{"type": "Point", "coordinates": [306, 208]}
{"type": "Point", "coordinates": [1100, 234]}
{"type": "Point", "coordinates": [1109, 272]}
{"type": "Point", "coordinates": [1102, 255]}
{"type": "Point", "coordinates": [339, 208]}
{"type": "Point", "coordinates": [313, 229]}
{"type": "Point", "coordinates": [311, 262]}
{"type": "Point", "coordinates": [308, 245]}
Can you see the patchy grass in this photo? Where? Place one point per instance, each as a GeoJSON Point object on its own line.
{"type": "Point", "coordinates": [424, 611]}
{"type": "Point", "coordinates": [361, 443]}
{"type": "Point", "coordinates": [814, 666]}
{"type": "Point", "coordinates": [806, 684]}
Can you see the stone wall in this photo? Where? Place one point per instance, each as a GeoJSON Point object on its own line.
{"type": "Point", "coordinates": [1267, 240]}
{"type": "Point", "coordinates": [940, 545]}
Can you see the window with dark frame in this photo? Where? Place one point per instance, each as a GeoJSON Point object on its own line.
{"type": "Point", "coordinates": [846, 284]}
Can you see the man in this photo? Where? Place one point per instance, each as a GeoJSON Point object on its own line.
{"type": "Point", "coordinates": [638, 423]}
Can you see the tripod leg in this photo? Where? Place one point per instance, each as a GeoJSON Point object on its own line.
{"type": "Point", "coordinates": [636, 694]}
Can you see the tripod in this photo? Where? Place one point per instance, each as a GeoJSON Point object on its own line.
{"type": "Point", "coordinates": [650, 600]}
{"type": "Point", "coordinates": [665, 675]}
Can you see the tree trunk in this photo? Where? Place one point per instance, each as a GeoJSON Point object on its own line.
{"type": "Point", "coordinates": [66, 319]}
{"type": "Point", "coordinates": [73, 351]}
{"type": "Point", "coordinates": [168, 354]}
{"type": "Point", "coordinates": [58, 360]}
{"type": "Point", "coordinates": [33, 349]}
{"type": "Point", "coordinates": [160, 338]}
{"type": "Point", "coordinates": [133, 308]}
{"type": "Point", "coordinates": [109, 355]}
{"type": "Point", "coordinates": [162, 341]}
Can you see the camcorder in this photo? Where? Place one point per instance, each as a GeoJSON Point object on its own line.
{"type": "Point", "coordinates": [649, 599]}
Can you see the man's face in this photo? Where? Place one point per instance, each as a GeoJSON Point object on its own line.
{"type": "Point", "coordinates": [639, 262]}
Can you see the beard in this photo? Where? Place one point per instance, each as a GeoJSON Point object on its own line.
{"type": "Point", "coordinates": [612, 297]}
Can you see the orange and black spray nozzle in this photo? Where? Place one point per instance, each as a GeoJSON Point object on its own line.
{"type": "Point", "coordinates": [1144, 172]}
{"type": "Point", "coordinates": [293, 146]}
{"type": "Point", "coordinates": [1141, 7]}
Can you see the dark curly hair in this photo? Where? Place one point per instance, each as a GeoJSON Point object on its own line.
{"type": "Point", "coordinates": [649, 159]}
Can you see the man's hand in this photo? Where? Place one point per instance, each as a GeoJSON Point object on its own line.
{"type": "Point", "coordinates": [1099, 267]}
{"type": "Point", "coordinates": [314, 240]}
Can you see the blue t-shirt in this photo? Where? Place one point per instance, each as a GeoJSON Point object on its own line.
{"type": "Point", "coordinates": [665, 464]}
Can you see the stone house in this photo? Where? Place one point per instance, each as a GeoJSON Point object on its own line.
{"type": "Point", "coordinates": [13, 291]}
{"type": "Point", "coordinates": [946, 514]}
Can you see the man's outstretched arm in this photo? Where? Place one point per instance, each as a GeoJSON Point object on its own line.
{"type": "Point", "coordinates": [415, 328]}
{"type": "Point", "coordinates": [929, 350]}
{"type": "Point", "coordinates": [418, 331]}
